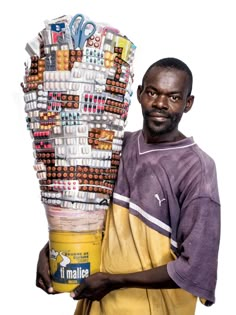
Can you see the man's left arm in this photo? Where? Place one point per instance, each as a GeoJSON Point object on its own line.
{"type": "Point", "coordinates": [99, 284]}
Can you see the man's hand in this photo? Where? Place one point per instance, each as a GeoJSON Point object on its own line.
{"type": "Point", "coordinates": [43, 280]}
{"type": "Point", "coordinates": [95, 287]}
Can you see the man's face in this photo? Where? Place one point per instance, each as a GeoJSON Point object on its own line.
{"type": "Point", "coordinates": [164, 98]}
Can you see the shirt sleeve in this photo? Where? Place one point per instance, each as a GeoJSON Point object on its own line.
{"type": "Point", "coordinates": [195, 268]}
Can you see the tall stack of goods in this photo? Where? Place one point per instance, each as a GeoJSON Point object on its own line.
{"type": "Point", "coordinates": [77, 92]}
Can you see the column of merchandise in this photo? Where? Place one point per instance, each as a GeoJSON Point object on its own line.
{"type": "Point", "coordinates": [77, 92]}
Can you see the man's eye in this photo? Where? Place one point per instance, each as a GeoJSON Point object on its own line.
{"type": "Point", "coordinates": [174, 98]}
{"type": "Point", "coordinates": [151, 93]}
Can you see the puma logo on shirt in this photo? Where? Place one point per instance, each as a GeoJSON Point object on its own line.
{"type": "Point", "coordinates": [159, 200]}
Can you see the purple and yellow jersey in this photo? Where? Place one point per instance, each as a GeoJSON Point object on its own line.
{"type": "Point", "coordinates": [166, 210]}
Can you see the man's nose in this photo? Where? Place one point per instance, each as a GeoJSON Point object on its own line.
{"type": "Point", "coordinates": [161, 102]}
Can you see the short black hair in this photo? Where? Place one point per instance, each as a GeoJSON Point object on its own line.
{"type": "Point", "coordinates": [172, 63]}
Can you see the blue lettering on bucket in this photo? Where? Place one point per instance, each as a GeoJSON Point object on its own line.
{"type": "Point", "coordinates": [72, 273]}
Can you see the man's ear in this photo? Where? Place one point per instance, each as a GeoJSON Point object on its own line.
{"type": "Point", "coordinates": [139, 91]}
{"type": "Point", "coordinates": [189, 103]}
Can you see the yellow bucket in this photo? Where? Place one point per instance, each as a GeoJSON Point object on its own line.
{"type": "Point", "coordinates": [73, 257]}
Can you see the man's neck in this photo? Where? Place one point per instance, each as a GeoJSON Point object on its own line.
{"type": "Point", "coordinates": [169, 137]}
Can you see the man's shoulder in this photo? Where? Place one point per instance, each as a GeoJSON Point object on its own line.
{"type": "Point", "coordinates": [130, 135]}
{"type": "Point", "coordinates": [204, 156]}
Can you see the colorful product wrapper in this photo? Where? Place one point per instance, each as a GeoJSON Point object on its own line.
{"type": "Point", "coordinates": [77, 91]}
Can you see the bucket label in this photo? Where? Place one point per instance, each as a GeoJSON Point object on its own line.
{"type": "Point", "coordinates": [66, 269]}
{"type": "Point", "coordinates": [72, 273]}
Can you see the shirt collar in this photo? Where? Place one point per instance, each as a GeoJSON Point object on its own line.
{"type": "Point", "coordinates": [145, 148]}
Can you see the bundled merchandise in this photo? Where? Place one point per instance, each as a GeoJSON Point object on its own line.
{"type": "Point", "coordinates": [77, 92]}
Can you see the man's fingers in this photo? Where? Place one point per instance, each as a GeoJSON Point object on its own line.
{"type": "Point", "coordinates": [76, 293]}
{"type": "Point", "coordinates": [45, 285]}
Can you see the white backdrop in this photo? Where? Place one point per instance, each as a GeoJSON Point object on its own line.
{"type": "Point", "coordinates": [201, 33]}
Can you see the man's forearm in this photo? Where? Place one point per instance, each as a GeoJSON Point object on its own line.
{"type": "Point", "coordinates": [99, 284]}
{"type": "Point", "coordinates": [156, 278]}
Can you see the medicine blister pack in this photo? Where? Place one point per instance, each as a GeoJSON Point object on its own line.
{"type": "Point", "coordinates": [77, 91]}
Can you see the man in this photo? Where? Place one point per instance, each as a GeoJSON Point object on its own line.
{"type": "Point", "coordinates": [162, 233]}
